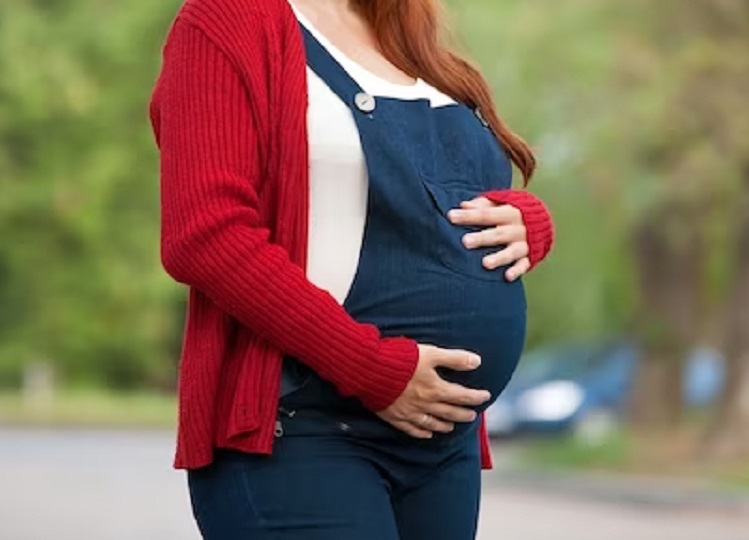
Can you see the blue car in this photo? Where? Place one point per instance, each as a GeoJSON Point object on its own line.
{"type": "Point", "coordinates": [565, 388]}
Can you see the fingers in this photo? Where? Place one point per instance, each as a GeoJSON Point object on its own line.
{"type": "Point", "coordinates": [433, 424]}
{"type": "Point", "coordinates": [455, 359]}
{"type": "Point", "coordinates": [441, 418]}
{"type": "Point", "coordinates": [399, 419]}
{"type": "Point", "coordinates": [521, 267]}
{"type": "Point", "coordinates": [410, 429]}
{"type": "Point", "coordinates": [486, 216]}
{"type": "Point", "coordinates": [421, 429]}
{"type": "Point", "coordinates": [456, 394]}
{"type": "Point", "coordinates": [451, 413]}
{"type": "Point", "coordinates": [512, 253]}
{"type": "Point", "coordinates": [478, 202]}
{"type": "Point", "coordinates": [495, 236]}
{"type": "Point", "coordinates": [420, 425]}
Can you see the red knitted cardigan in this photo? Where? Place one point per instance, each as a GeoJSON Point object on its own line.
{"type": "Point", "coordinates": [229, 117]}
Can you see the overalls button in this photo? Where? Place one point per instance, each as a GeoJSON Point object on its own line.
{"type": "Point", "coordinates": [480, 116]}
{"type": "Point", "coordinates": [364, 102]}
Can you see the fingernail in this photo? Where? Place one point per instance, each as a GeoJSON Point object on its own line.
{"type": "Point", "coordinates": [469, 241]}
{"type": "Point", "coordinates": [474, 361]}
{"type": "Point", "coordinates": [511, 275]}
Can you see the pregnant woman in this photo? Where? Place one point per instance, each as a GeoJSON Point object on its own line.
{"type": "Point", "coordinates": [336, 192]}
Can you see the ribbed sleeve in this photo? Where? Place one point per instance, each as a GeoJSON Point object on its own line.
{"type": "Point", "coordinates": [536, 217]}
{"type": "Point", "coordinates": [213, 236]}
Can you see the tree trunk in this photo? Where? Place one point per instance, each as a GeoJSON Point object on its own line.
{"type": "Point", "coordinates": [667, 252]}
{"type": "Point", "coordinates": [729, 438]}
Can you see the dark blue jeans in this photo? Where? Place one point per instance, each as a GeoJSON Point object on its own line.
{"type": "Point", "coordinates": [339, 487]}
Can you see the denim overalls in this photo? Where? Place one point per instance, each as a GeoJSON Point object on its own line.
{"type": "Point", "coordinates": [337, 471]}
{"type": "Point", "coordinates": [415, 278]}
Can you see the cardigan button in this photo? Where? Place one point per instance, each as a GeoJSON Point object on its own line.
{"type": "Point", "coordinates": [365, 102]}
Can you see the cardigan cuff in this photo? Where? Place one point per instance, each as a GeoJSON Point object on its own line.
{"type": "Point", "coordinates": [536, 218]}
{"type": "Point", "coordinates": [384, 386]}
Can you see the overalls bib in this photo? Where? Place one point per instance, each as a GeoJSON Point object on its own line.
{"type": "Point", "coordinates": [415, 278]}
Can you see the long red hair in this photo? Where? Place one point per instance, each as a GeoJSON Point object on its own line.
{"type": "Point", "coordinates": [409, 34]}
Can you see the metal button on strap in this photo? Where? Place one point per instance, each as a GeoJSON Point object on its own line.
{"type": "Point", "coordinates": [480, 116]}
{"type": "Point", "coordinates": [365, 102]}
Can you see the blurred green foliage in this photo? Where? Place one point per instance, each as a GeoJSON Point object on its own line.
{"type": "Point", "coordinates": [80, 279]}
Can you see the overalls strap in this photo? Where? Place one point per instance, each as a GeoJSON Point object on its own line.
{"type": "Point", "coordinates": [329, 70]}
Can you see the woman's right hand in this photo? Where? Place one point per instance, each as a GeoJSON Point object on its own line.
{"type": "Point", "coordinates": [431, 404]}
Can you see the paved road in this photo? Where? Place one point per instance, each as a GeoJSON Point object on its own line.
{"type": "Point", "coordinates": [118, 486]}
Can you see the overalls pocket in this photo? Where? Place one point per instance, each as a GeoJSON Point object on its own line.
{"type": "Point", "coordinates": [445, 196]}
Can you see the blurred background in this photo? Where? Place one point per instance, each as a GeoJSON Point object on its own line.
{"type": "Point", "coordinates": [631, 408]}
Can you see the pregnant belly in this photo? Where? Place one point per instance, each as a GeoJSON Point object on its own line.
{"type": "Point", "coordinates": [451, 311]}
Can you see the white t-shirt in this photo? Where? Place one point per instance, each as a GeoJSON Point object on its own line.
{"type": "Point", "coordinates": [338, 172]}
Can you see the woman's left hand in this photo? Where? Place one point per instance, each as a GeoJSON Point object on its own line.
{"type": "Point", "coordinates": [504, 227]}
